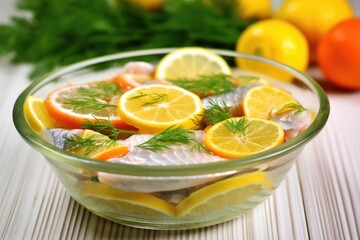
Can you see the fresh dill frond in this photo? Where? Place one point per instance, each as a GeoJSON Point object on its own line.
{"type": "Point", "coordinates": [152, 98]}
{"type": "Point", "coordinates": [172, 136]}
{"type": "Point", "coordinates": [205, 85]}
{"type": "Point", "coordinates": [104, 90]}
{"type": "Point", "coordinates": [293, 106]}
{"type": "Point", "coordinates": [88, 103]}
{"type": "Point", "coordinates": [86, 146]}
{"type": "Point", "coordinates": [105, 127]}
{"type": "Point", "coordinates": [93, 97]}
{"type": "Point", "coordinates": [237, 126]}
{"type": "Point", "coordinates": [217, 112]}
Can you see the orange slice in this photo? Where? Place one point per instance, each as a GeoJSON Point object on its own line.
{"type": "Point", "coordinates": [154, 108]}
{"type": "Point", "coordinates": [37, 115]}
{"type": "Point", "coordinates": [74, 104]}
{"type": "Point", "coordinates": [191, 62]}
{"type": "Point", "coordinates": [244, 189]}
{"type": "Point", "coordinates": [128, 202]}
{"type": "Point", "coordinates": [265, 100]}
{"type": "Point", "coordinates": [242, 136]}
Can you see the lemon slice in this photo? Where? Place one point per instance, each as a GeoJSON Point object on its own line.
{"type": "Point", "coordinates": [37, 115]}
{"type": "Point", "coordinates": [238, 137]}
{"type": "Point", "coordinates": [266, 100]}
{"type": "Point", "coordinates": [154, 108]}
{"type": "Point", "coordinates": [101, 148]}
{"type": "Point", "coordinates": [128, 202]}
{"type": "Point", "coordinates": [191, 62]}
{"type": "Point", "coordinates": [225, 194]}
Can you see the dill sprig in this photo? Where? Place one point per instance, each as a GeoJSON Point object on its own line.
{"type": "Point", "coordinates": [105, 127]}
{"type": "Point", "coordinates": [86, 146]}
{"type": "Point", "coordinates": [237, 126]}
{"type": "Point", "coordinates": [205, 85]}
{"type": "Point", "coordinates": [97, 28]}
{"type": "Point", "coordinates": [297, 108]}
{"type": "Point", "coordinates": [217, 112]}
{"type": "Point", "coordinates": [87, 103]}
{"type": "Point", "coordinates": [94, 97]}
{"type": "Point", "coordinates": [104, 90]}
{"type": "Point", "coordinates": [151, 98]}
{"type": "Point", "coordinates": [172, 136]}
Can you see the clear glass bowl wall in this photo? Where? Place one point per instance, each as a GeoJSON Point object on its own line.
{"type": "Point", "coordinates": [73, 171]}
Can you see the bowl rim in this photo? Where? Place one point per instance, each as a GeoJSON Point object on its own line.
{"type": "Point", "coordinates": [54, 153]}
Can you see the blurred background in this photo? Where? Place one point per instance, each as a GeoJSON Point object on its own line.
{"type": "Point", "coordinates": [48, 34]}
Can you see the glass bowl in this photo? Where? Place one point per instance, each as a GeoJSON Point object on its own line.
{"type": "Point", "coordinates": [247, 181]}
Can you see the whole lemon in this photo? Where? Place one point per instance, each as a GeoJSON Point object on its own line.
{"type": "Point", "coordinates": [254, 9]}
{"type": "Point", "coordinates": [314, 18]}
{"type": "Point", "coordinates": [150, 5]}
{"type": "Point", "coordinates": [277, 40]}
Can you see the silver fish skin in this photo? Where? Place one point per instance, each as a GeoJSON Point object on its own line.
{"type": "Point", "coordinates": [293, 122]}
{"type": "Point", "coordinates": [231, 99]}
{"type": "Point", "coordinates": [57, 136]}
{"type": "Point", "coordinates": [177, 155]}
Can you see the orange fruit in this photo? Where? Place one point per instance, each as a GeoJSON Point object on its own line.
{"type": "Point", "coordinates": [314, 18]}
{"type": "Point", "coordinates": [264, 101]}
{"type": "Point", "coordinates": [37, 115]}
{"type": "Point", "coordinates": [243, 136]}
{"type": "Point", "coordinates": [190, 63]}
{"type": "Point", "coordinates": [339, 54]}
{"type": "Point", "coordinates": [74, 104]}
{"type": "Point", "coordinates": [277, 40]}
{"type": "Point", "coordinates": [154, 108]}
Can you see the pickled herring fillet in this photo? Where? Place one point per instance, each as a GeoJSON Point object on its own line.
{"type": "Point", "coordinates": [231, 99]}
{"type": "Point", "coordinates": [176, 155]}
{"type": "Point", "coordinates": [294, 122]}
{"type": "Point", "coordinates": [57, 136]}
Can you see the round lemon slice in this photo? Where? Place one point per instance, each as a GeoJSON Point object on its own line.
{"type": "Point", "coordinates": [264, 101]}
{"type": "Point", "coordinates": [227, 193]}
{"type": "Point", "coordinates": [238, 137]}
{"type": "Point", "coordinates": [190, 63]}
{"type": "Point", "coordinates": [154, 108]}
{"type": "Point", "coordinates": [37, 115]}
{"type": "Point", "coordinates": [128, 202]}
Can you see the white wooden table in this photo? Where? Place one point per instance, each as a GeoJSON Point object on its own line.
{"type": "Point", "coordinates": [320, 198]}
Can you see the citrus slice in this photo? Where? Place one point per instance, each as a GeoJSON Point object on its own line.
{"type": "Point", "coordinates": [154, 108]}
{"type": "Point", "coordinates": [242, 136]}
{"type": "Point", "coordinates": [129, 202]}
{"type": "Point", "coordinates": [97, 146]}
{"type": "Point", "coordinates": [264, 101]}
{"type": "Point", "coordinates": [190, 63]}
{"type": "Point", "coordinates": [74, 104]}
{"type": "Point", "coordinates": [37, 115]}
{"type": "Point", "coordinates": [227, 193]}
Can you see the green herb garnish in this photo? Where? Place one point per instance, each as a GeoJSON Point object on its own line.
{"type": "Point", "coordinates": [151, 98]}
{"type": "Point", "coordinates": [49, 38]}
{"type": "Point", "coordinates": [217, 112]}
{"type": "Point", "coordinates": [86, 146]}
{"type": "Point", "coordinates": [237, 126]}
{"type": "Point", "coordinates": [206, 84]}
{"type": "Point", "coordinates": [172, 136]}
{"type": "Point", "coordinates": [94, 97]}
{"type": "Point", "coordinates": [105, 127]}
{"type": "Point", "coordinates": [297, 108]}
